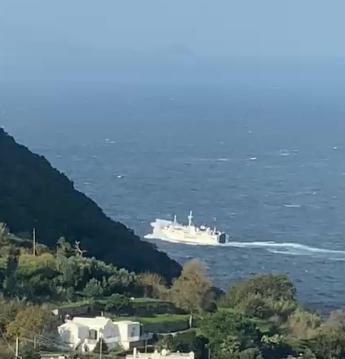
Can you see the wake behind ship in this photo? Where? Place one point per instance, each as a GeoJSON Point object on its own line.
{"type": "Point", "coordinates": [176, 232]}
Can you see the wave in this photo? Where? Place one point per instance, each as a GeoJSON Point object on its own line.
{"type": "Point", "coordinates": [284, 153]}
{"type": "Point", "coordinates": [222, 159]}
{"type": "Point", "coordinates": [287, 248]}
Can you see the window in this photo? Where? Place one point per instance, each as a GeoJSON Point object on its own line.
{"type": "Point", "coordinates": [93, 334]}
{"type": "Point", "coordinates": [133, 332]}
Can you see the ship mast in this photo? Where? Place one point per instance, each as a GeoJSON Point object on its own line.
{"type": "Point", "coordinates": [190, 217]}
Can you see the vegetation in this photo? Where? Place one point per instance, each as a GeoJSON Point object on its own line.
{"type": "Point", "coordinates": [154, 285]}
{"type": "Point", "coordinates": [60, 276]}
{"type": "Point", "coordinates": [29, 321]}
{"type": "Point", "coordinates": [117, 303]}
{"type": "Point", "coordinates": [159, 318]}
{"type": "Point", "coordinates": [191, 290]}
{"type": "Point", "coordinates": [257, 318]}
{"type": "Point", "coordinates": [184, 342]}
{"type": "Point", "coordinates": [35, 195]}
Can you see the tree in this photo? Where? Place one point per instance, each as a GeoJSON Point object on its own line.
{"type": "Point", "coordinates": [189, 290]}
{"type": "Point", "coordinates": [77, 250]}
{"type": "Point", "coordinates": [63, 247]}
{"type": "Point", "coordinates": [167, 342]}
{"type": "Point", "coordinates": [116, 303]}
{"type": "Point", "coordinates": [303, 324]}
{"type": "Point", "coordinates": [93, 289]}
{"type": "Point", "coordinates": [328, 344]}
{"type": "Point", "coordinates": [255, 306]}
{"type": "Point", "coordinates": [121, 281]}
{"type": "Point", "coordinates": [153, 284]}
{"type": "Point", "coordinates": [9, 310]}
{"type": "Point", "coordinates": [184, 342]}
{"type": "Point", "coordinates": [229, 332]}
{"type": "Point", "coordinates": [275, 287]}
{"type": "Point", "coordinates": [336, 320]}
{"type": "Point", "coordinates": [9, 284]}
{"type": "Point", "coordinates": [3, 233]}
{"type": "Point", "coordinates": [29, 322]}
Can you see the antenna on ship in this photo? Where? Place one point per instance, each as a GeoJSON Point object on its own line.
{"type": "Point", "coordinates": [190, 217]}
{"type": "Point", "coordinates": [175, 220]}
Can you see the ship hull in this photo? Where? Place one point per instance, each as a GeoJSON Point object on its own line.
{"type": "Point", "coordinates": [189, 239]}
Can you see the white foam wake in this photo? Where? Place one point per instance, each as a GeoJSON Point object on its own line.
{"type": "Point", "coordinates": [287, 248]}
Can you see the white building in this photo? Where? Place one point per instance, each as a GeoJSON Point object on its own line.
{"type": "Point", "coordinates": [84, 333]}
{"type": "Point", "coordinates": [164, 354]}
{"type": "Point", "coordinates": [129, 332]}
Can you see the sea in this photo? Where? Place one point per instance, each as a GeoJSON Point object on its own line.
{"type": "Point", "coordinates": [263, 162]}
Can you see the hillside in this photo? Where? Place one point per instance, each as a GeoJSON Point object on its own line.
{"type": "Point", "coordinates": [35, 195]}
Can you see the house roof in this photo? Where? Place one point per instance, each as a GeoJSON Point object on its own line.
{"type": "Point", "coordinates": [69, 323]}
{"type": "Point", "coordinates": [98, 322]}
{"type": "Point", "coordinates": [127, 322]}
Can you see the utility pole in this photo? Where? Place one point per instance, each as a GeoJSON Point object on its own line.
{"type": "Point", "coordinates": [17, 347]}
{"type": "Point", "coordinates": [100, 346]}
{"type": "Point", "coordinates": [34, 242]}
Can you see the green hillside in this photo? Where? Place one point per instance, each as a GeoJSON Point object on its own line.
{"type": "Point", "coordinates": [35, 195]}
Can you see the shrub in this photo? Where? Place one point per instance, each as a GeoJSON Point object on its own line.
{"type": "Point", "coordinates": [93, 289]}
{"type": "Point", "coordinates": [255, 306]}
{"type": "Point", "coordinates": [153, 285]}
{"type": "Point", "coordinates": [116, 303]}
{"type": "Point", "coordinates": [303, 324]}
{"type": "Point", "coordinates": [276, 287]}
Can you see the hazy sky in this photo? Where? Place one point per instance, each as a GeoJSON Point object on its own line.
{"type": "Point", "coordinates": [215, 28]}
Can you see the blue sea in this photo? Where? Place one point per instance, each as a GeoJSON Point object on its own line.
{"type": "Point", "coordinates": [265, 163]}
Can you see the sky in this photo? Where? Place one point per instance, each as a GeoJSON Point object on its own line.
{"type": "Point", "coordinates": [221, 28]}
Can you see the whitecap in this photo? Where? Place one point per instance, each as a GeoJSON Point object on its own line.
{"type": "Point", "coordinates": [284, 153]}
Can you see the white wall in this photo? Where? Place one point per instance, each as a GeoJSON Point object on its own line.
{"type": "Point", "coordinates": [118, 332]}
{"type": "Point", "coordinates": [68, 333]}
{"type": "Point", "coordinates": [126, 331]}
{"type": "Point", "coordinates": [162, 355]}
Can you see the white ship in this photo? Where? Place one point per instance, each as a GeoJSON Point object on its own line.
{"type": "Point", "coordinates": [190, 234]}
